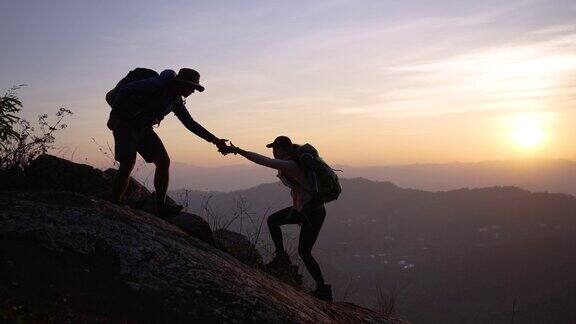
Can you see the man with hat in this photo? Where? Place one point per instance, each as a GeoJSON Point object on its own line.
{"type": "Point", "coordinates": [136, 107]}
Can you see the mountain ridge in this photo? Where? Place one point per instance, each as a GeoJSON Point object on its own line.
{"type": "Point", "coordinates": [447, 253]}
{"type": "Point", "coordinates": [553, 175]}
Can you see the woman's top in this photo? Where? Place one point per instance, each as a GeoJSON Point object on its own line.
{"type": "Point", "coordinates": [289, 173]}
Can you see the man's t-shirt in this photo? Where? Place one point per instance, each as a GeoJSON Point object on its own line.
{"type": "Point", "coordinates": [147, 102]}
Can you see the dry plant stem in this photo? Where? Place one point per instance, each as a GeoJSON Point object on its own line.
{"type": "Point", "coordinates": [29, 143]}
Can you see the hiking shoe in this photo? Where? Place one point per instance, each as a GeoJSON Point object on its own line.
{"type": "Point", "coordinates": [280, 260]}
{"type": "Point", "coordinates": [165, 210]}
{"type": "Point", "coordinates": [323, 292]}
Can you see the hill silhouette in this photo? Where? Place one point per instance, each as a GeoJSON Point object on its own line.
{"type": "Point", "coordinates": [464, 255]}
{"type": "Point", "coordinates": [68, 256]}
{"type": "Point", "coordinates": [552, 175]}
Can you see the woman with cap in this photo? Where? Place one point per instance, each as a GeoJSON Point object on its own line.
{"type": "Point", "coordinates": [305, 210]}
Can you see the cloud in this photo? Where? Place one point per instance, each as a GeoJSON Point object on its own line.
{"type": "Point", "coordinates": [526, 74]}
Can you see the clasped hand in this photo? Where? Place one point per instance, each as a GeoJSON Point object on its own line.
{"type": "Point", "coordinates": [227, 149]}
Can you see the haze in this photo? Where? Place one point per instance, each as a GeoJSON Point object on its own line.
{"type": "Point", "coordinates": [367, 82]}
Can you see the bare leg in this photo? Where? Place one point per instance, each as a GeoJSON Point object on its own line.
{"type": "Point", "coordinates": [161, 179]}
{"type": "Point", "coordinates": [121, 181]}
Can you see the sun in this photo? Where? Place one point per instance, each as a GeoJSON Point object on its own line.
{"type": "Point", "coordinates": [528, 131]}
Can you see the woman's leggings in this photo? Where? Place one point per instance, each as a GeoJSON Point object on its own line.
{"type": "Point", "coordinates": [310, 220]}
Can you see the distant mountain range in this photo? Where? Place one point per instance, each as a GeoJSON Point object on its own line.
{"type": "Point", "coordinates": [226, 178]}
{"type": "Point", "coordinates": [464, 255]}
{"type": "Point", "coordinates": [530, 174]}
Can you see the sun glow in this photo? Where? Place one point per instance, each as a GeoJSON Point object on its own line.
{"type": "Point", "coordinates": [528, 131]}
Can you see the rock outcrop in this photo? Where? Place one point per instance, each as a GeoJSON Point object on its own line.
{"type": "Point", "coordinates": [50, 173]}
{"type": "Point", "coordinates": [69, 256]}
{"type": "Point", "coordinates": [239, 246]}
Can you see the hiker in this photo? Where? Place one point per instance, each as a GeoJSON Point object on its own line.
{"type": "Point", "coordinates": [296, 172]}
{"type": "Point", "coordinates": [139, 101]}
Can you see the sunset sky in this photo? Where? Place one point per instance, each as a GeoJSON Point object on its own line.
{"type": "Point", "coordinates": [367, 82]}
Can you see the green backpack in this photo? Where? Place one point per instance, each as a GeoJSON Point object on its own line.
{"type": "Point", "coordinates": [328, 186]}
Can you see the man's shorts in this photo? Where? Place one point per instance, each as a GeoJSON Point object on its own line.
{"type": "Point", "coordinates": [128, 140]}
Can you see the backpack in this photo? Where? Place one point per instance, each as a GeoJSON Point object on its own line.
{"type": "Point", "coordinates": [328, 186]}
{"type": "Point", "coordinates": [135, 75]}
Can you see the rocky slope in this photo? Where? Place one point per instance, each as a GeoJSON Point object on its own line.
{"type": "Point", "coordinates": [69, 256]}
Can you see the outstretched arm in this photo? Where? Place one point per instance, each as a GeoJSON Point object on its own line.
{"type": "Point", "coordinates": [186, 119]}
{"type": "Point", "coordinates": [282, 165]}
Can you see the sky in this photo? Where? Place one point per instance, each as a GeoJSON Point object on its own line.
{"type": "Point", "coordinates": [366, 82]}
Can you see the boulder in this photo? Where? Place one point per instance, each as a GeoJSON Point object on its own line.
{"type": "Point", "coordinates": [12, 179]}
{"type": "Point", "coordinates": [135, 190]}
{"type": "Point", "coordinates": [68, 257]}
{"type": "Point", "coordinates": [48, 172]}
{"type": "Point", "coordinates": [239, 247]}
{"type": "Point", "coordinates": [147, 202]}
{"type": "Point", "coordinates": [193, 225]}
{"type": "Point", "coordinates": [289, 274]}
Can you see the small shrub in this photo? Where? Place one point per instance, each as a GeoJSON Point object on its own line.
{"type": "Point", "coordinates": [10, 105]}
{"type": "Point", "coordinates": [21, 142]}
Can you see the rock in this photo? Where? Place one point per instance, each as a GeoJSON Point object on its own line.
{"type": "Point", "coordinates": [194, 226]}
{"type": "Point", "coordinates": [289, 274]}
{"type": "Point", "coordinates": [191, 224]}
{"type": "Point", "coordinates": [135, 190]}
{"type": "Point", "coordinates": [239, 247]}
{"type": "Point", "coordinates": [48, 172]}
{"type": "Point", "coordinates": [76, 258]}
{"type": "Point", "coordinates": [13, 179]}
{"type": "Point", "coordinates": [147, 202]}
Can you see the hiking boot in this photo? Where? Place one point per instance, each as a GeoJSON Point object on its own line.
{"type": "Point", "coordinates": [323, 292]}
{"type": "Point", "coordinates": [165, 210]}
{"type": "Point", "coordinates": [281, 260]}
